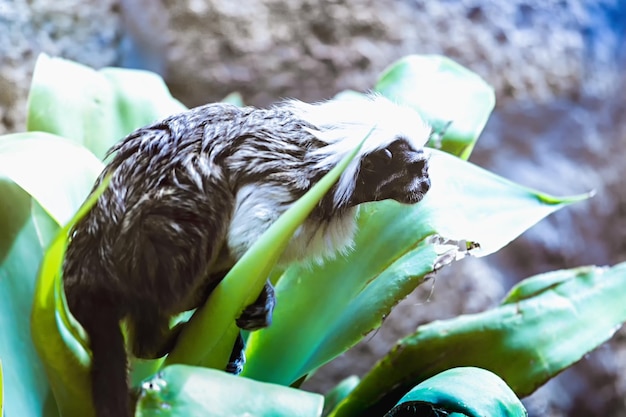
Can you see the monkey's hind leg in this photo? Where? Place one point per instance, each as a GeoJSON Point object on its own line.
{"type": "Point", "coordinates": [237, 357]}
{"type": "Point", "coordinates": [150, 335]}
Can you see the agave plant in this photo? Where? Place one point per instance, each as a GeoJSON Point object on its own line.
{"type": "Point", "coordinates": [471, 365]}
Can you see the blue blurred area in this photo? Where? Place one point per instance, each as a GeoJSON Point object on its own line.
{"type": "Point", "coordinates": [143, 43]}
{"type": "Point", "coordinates": [606, 30]}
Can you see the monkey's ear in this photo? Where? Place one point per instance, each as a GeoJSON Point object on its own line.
{"type": "Point", "coordinates": [376, 160]}
{"type": "Point", "coordinates": [382, 156]}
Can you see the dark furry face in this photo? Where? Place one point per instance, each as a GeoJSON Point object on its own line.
{"type": "Point", "coordinates": [398, 172]}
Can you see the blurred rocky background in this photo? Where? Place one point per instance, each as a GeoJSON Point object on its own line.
{"type": "Point", "coordinates": [558, 68]}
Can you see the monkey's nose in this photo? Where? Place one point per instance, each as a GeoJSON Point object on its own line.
{"type": "Point", "coordinates": [425, 185]}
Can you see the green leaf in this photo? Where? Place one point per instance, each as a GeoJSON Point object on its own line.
{"type": "Point", "coordinates": [66, 360]}
{"type": "Point", "coordinates": [95, 108]}
{"type": "Point", "coordinates": [209, 336]}
{"type": "Point", "coordinates": [234, 98]}
{"type": "Point", "coordinates": [534, 286]}
{"type": "Point", "coordinates": [31, 208]}
{"type": "Point", "coordinates": [324, 310]}
{"type": "Point", "coordinates": [338, 393]}
{"type": "Point", "coordinates": [442, 91]}
{"type": "Point", "coordinates": [472, 392]}
{"type": "Point", "coordinates": [1, 391]}
{"type": "Point", "coordinates": [20, 251]}
{"type": "Point", "coordinates": [522, 340]}
{"type": "Point", "coordinates": [59, 340]}
{"type": "Point", "coordinates": [188, 391]}
{"type": "Point", "coordinates": [55, 171]}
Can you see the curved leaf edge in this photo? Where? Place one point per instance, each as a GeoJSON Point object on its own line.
{"type": "Point", "coordinates": [550, 299]}
{"type": "Point", "coordinates": [178, 389]}
{"type": "Point", "coordinates": [65, 355]}
{"type": "Point", "coordinates": [1, 390]}
{"type": "Point", "coordinates": [470, 391]}
{"type": "Point", "coordinates": [442, 137]}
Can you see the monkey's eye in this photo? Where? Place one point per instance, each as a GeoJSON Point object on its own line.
{"type": "Point", "coordinates": [387, 154]}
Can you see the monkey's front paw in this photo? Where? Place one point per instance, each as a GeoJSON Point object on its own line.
{"type": "Point", "coordinates": [255, 317]}
{"type": "Point", "coordinates": [259, 314]}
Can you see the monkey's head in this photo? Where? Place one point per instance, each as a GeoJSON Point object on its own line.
{"type": "Point", "coordinates": [397, 171]}
{"type": "Point", "coordinates": [391, 164]}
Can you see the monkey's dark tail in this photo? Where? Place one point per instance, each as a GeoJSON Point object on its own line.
{"type": "Point", "coordinates": [109, 381]}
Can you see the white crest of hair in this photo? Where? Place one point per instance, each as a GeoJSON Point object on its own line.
{"type": "Point", "coordinates": [343, 123]}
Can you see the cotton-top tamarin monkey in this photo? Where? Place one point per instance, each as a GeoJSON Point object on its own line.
{"type": "Point", "coordinates": [188, 195]}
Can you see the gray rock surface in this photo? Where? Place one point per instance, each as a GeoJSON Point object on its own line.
{"type": "Point", "coordinates": [84, 30]}
{"type": "Point", "coordinates": [312, 49]}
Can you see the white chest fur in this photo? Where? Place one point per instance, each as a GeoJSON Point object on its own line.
{"type": "Point", "coordinates": [258, 206]}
